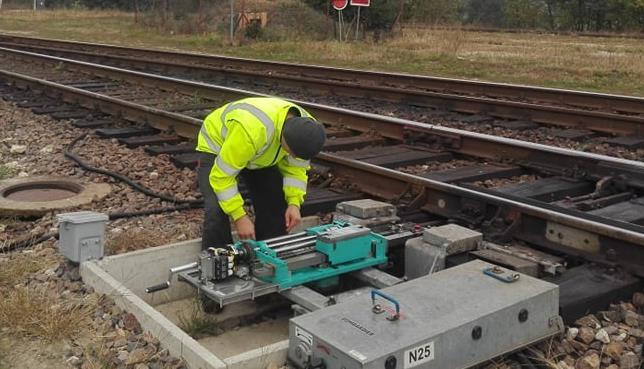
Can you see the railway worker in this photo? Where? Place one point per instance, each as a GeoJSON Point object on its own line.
{"type": "Point", "coordinates": [268, 142]}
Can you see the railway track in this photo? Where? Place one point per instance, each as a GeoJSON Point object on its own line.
{"type": "Point", "coordinates": [571, 203]}
{"type": "Point", "coordinates": [580, 120]}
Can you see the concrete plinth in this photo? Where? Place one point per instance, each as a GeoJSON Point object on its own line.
{"type": "Point", "coordinates": [125, 277]}
{"type": "Point", "coordinates": [453, 238]}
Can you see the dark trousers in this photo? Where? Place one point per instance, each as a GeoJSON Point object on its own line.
{"type": "Point", "coordinates": [265, 191]}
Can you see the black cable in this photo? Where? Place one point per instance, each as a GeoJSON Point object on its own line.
{"type": "Point", "coordinates": [23, 244]}
{"type": "Point", "coordinates": [44, 236]}
{"type": "Point", "coordinates": [525, 361]}
{"type": "Point", "coordinates": [113, 216]}
{"type": "Point", "coordinates": [70, 155]}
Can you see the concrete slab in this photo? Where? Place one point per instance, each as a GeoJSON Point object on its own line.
{"type": "Point", "coordinates": [174, 339]}
{"type": "Point", "coordinates": [124, 277]}
{"type": "Point", "coordinates": [237, 342]}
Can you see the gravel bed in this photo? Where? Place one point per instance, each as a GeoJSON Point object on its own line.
{"type": "Point", "coordinates": [435, 166]}
{"type": "Point", "coordinates": [111, 338]}
{"type": "Point", "coordinates": [44, 140]}
{"type": "Point", "coordinates": [502, 182]}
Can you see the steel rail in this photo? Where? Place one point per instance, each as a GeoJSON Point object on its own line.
{"type": "Point", "coordinates": [449, 199]}
{"type": "Point", "coordinates": [183, 125]}
{"type": "Point", "coordinates": [607, 123]}
{"type": "Point", "coordinates": [440, 198]}
{"type": "Point", "coordinates": [312, 73]}
{"type": "Point", "coordinates": [546, 158]}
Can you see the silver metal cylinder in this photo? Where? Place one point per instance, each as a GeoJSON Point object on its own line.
{"type": "Point", "coordinates": [183, 268]}
{"type": "Point", "coordinates": [295, 246]}
{"type": "Point", "coordinates": [279, 245]}
{"type": "Point", "coordinates": [285, 237]}
{"type": "Point", "coordinates": [301, 251]}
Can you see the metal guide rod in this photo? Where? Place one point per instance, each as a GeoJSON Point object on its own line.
{"type": "Point", "coordinates": [298, 252]}
{"type": "Point", "coordinates": [296, 246]}
{"type": "Point", "coordinates": [285, 237]}
{"type": "Point", "coordinates": [183, 268]}
{"type": "Point", "coordinates": [289, 242]}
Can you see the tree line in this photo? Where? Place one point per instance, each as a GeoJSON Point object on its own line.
{"type": "Point", "coordinates": [554, 15]}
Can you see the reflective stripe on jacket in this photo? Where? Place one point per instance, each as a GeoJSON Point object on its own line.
{"type": "Point", "coordinates": [247, 134]}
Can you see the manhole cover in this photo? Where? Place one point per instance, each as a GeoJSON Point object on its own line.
{"type": "Point", "coordinates": [42, 192]}
{"type": "Point", "coordinates": [35, 196]}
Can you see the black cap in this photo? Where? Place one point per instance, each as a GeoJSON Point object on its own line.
{"type": "Point", "coordinates": [304, 137]}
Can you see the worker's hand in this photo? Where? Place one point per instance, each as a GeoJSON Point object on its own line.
{"type": "Point", "coordinates": [292, 217]}
{"type": "Point", "coordinates": [245, 228]}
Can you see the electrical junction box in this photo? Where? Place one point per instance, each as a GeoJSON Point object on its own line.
{"type": "Point", "coordinates": [82, 235]}
{"type": "Point", "coordinates": [452, 319]}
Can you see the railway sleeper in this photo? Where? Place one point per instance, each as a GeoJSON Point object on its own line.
{"type": "Point", "coordinates": [53, 109]}
{"type": "Point", "coordinates": [138, 141]}
{"type": "Point", "coordinates": [515, 125]}
{"type": "Point", "coordinates": [171, 149]}
{"type": "Point", "coordinates": [627, 142]}
{"type": "Point", "coordinates": [93, 123]}
{"type": "Point", "coordinates": [126, 132]}
{"type": "Point", "coordinates": [72, 114]}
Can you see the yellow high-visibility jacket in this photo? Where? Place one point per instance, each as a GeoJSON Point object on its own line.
{"type": "Point", "coordinates": [247, 134]}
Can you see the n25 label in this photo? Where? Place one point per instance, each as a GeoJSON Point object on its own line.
{"type": "Point", "coordinates": [419, 355]}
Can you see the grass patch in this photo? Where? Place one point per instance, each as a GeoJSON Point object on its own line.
{"type": "Point", "coordinates": [6, 171]}
{"type": "Point", "coordinates": [604, 64]}
{"type": "Point", "coordinates": [37, 311]}
{"type": "Point", "coordinates": [148, 234]}
{"type": "Point", "coordinates": [32, 313]}
{"type": "Point", "coordinates": [197, 324]}
{"type": "Point", "coordinates": [3, 363]}
{"type": "Point", "coordinates": [18, 266]}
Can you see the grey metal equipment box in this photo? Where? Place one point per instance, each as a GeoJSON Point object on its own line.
{"type": "Point", "coordinates": [452, 319]}
{"type": "Point", "coordinates": [82, 235]}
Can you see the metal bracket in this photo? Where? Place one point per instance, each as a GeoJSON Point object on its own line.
{"type": "Point", "coordinates": [572, 237]}
{"type": "Point", "coordinates": [501, 274]}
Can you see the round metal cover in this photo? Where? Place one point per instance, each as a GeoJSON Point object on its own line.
{"type": "Point", "coordinates": [35, 196]}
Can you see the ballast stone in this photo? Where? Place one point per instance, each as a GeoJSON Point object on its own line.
{"type": "Point", "coordinates": [18, 149]}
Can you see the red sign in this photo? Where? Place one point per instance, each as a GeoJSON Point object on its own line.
{"type": "Point", "coordinates": [360, 2]}
{"type": "Point", "coordinates": [339, 4]}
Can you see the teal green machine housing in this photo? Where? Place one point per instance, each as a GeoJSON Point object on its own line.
{"type": "Point", "coordinates": [347, 247]}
